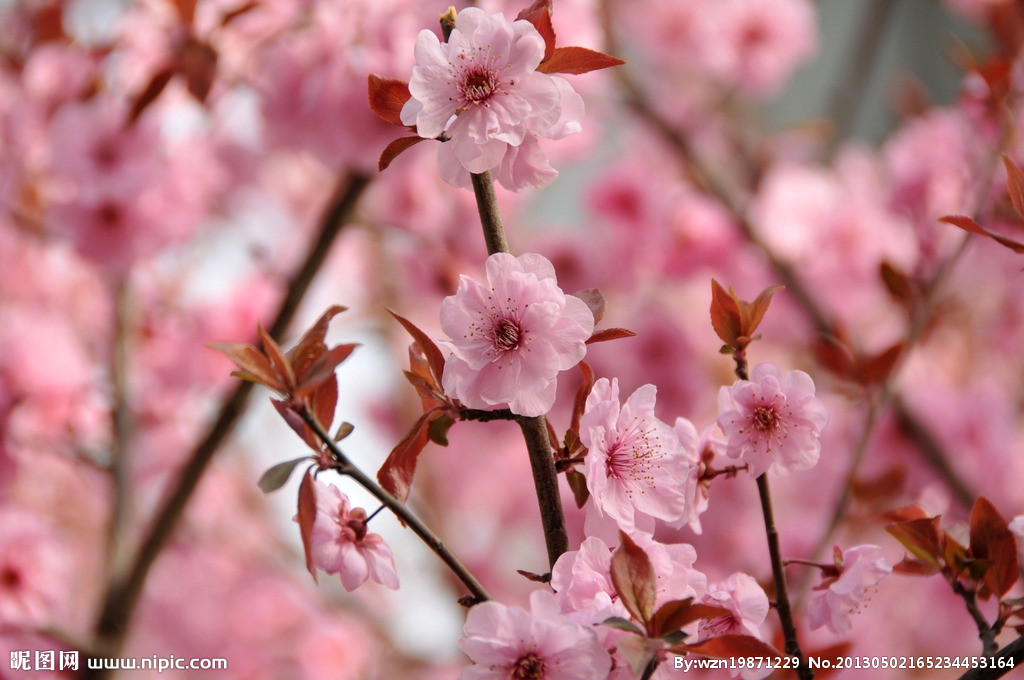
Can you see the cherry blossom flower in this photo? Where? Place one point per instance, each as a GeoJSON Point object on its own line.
{"type": "Point", "coordinates": [482, 91]}
{"type": "Point", "coordinates": [508, 642]}
{"type": "Point", "coordinates": [342, 545]}
{"type": "Point", "coordinates": [772, 421]}
{"type": "Point", "coordinates": [832, 603]}
{"type": "Point", "coordinates": [636, 465]}
{"type": "Point", "coordinates": [512, 336]}
{"type": "Point", "coordinates": [34, 570]}
{"type": "Point", "coordinates": [740, 594]}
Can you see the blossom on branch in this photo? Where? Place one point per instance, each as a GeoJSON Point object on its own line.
{"type": "Point", "coordinates": [740, 594]}
{"type": "Point", "coordinates": [860, 568]}
{"type": "Point", "coordinates": [772, 421]}
{"type": "Point", "coordinates": [481, 89]}
{"type": "Point", "coordinates": [342, 545]}
{"type": "Point", "coordinates": [637, 466]}
{"type": "Point", "coordinates": [541, 644]}
{"type": "Point", "coordinates": [512, 336]}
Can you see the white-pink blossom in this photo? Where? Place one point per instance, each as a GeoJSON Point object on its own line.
{"type": "Point", "coordinates": [541, 644]}
{"type": "Point", "coordinates": [512, 336]}
{"type": "Point", "coordinates": [342, 545]}
{"type": "Point", "coordinates": [481, 90]}
{"type": "Point", "coordinates": [740, 594]}
{"type": "Point", "coordinates": [832, 603]}
{"type": "Point", "coordinates": [636, 466]}
{"type": "Point", "coordinates": [772, 421]}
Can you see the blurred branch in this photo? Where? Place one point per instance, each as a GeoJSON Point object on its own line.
{"type": "Point", "coordinates": [125, 589]}
{"type": "Point", "coordinates": [1010, 656]}
{"type": "Point", "coordinates": [122, 425]}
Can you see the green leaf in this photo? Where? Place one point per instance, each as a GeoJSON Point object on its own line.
{"type": "Point", "coordinates": [276, 477]}
{"type": "Point", "coordinates": [620, 623]}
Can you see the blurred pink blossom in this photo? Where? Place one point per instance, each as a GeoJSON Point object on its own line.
{"type": "Point", "coordinates": [482, 90]}
{"type": "Point", "coordinates": [542, 644]}
{"type": "Point", "coordinates": [832, 603]}
{"type": "Point", "coordinates": [772, 421]}
{"type": "Point", "coordinates": [34, 570]}
{"type": "Point", "coordinates": [512, 336]}
{"type": "Point", "coordinates": [342, 544]}
{"type": "Point", "coordinates": [636, 464]}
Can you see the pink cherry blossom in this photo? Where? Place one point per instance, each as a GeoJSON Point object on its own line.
{"type": "Point", "coordinates": [636, 465]}
{"type": "Point", "coordinates": [34, 570]}
{"type": "Point", "coordinates": [512, 336]}
{"type": "Point", "coordinates": [508, 642]}
{"type": "Point", "coordinates": [741, 594]}
{"type": "Point", "coordinates": [482, 91]}
{"type": "Point", "coordinates": [861, 568]}
{"type": "Point", "coordinates": [772, 421]}
{"type": "Point", "coordinates": [342, 545]}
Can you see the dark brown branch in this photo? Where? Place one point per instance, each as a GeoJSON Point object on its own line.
{"type": "Point", "coordinates": [545, 479]}
{"type": "Point", "coordinates": [124, 591]}
{"type": "Point", "coordinates": [1011, 656]}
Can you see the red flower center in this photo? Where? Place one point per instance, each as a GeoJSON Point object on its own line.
{"type": "Point", "coordinates": [765, 419]}
{"type": "Point", "coordinates": [507, 335]}
{"type": "Point", "coordinates": [529, 667]}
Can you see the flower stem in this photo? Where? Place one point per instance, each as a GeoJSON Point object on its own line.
{"type": "Point", "coordinates": [400, 510]}
{"type": "Point", "coordinates": [779, 576]}
{"type": "Point", "coordinates": [535, 430]}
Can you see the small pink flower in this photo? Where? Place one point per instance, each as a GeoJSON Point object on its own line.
{"type": "Point", "coordinates": [34, 570]}
{"type": "Point", "coordinates": [832, 603]}
{"type": "Point", "coordinates": [512, 336]}
{"type": "Point", "coordinates": [508, 642]}
{"type": "Point", "coordinates": [342, 545]}
{"type": "Point", "coordinates": [637, 466]}
{"type": "Point", "coordinates": [742, 595]}
{"type": "Point", "coordinates": [773, 421]}
{"type": "Point", "coordinates": [482, 91]}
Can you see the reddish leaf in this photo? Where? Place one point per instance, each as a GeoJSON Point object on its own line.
{"type": "Point", "coordinates": [298, 425]}
{"type": "Point", "coordinates": [878, 367]}
{"type": "Point", "coordinates": [578, 483]}
{"type": "Point", "coordinates": [310, 347]}
{"type": "Point", "coordinates": [156, 85]}
{"type": "Point", "coordinates": [323, 402]}
{"type": "Point", "coordinates": [970, 225]}
{"type": "Point", "coordinates": [307, 515]}
{"type": "Point", "coordinates": [1014, 184]}
{"type": "Point", "coordinates": [323, 369]}
{"type": "Point", "coordinates": [186, 10]}
{"type": "Point", "coordinates": [673, 616]}
{"type": "Point", "coordinates": [580, 402]}
{"type": "Point", "coordinates": [396, 474]}
{"type": "Point", "coordinates": [911, 567]}
{"type": "Point", "coordinates": [899, 284]}
{"type": "Point", "coordinates": [396, 147]}
{"type": "Point", "coordinates": [730, 646]}
{"type": "Point", "coordinates": [228, 17]}
{"type": "Point", "coordinates": [576, 60]}
{"type": "Point", "coordinates": [921, 537]}
{"type": "Point", "coordinates": [279, 364]}
{"type": "Point", "coordinates": [905, 514]}
{"type": "Point", "coordinates": [434, 356]}
{"type": "Point", "coordinates": [255, 366]}
{"type": "Point", "coordinates": [199, 66]}
{"type": "Point", "coordinates": [755, 311]}
{"type": "Point", "coordinates": [610, 334]}
{"type": "Point", "coordinates": [992, 541]}
{"type": "Point", "coordinates": [834, 355]}
{"type": "Point", "coordinates": [49, 23]}
{"type": "Point", "coordinates": [595, 300]}
{"type": "Point", "coordinates": [634, 579]}
{"type": "Point", "coordinates": [539, 14]}
{"type": "Point", "coordinates": [387, 96]}
{"type": "Point", "coordinates": [725, 314]}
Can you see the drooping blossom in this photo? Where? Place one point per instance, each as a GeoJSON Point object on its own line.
{"type": "Point", "coordinates": [482, 91]}
{"type": "Point", "coordinates": [772, 421]}
{"type": "Point", "coordinates": [740, 594]}
{"type": "Point", "coordinates": [833, 601]}
{"type": "Point", "coordinates": [541, 644]}
{"type": "Point", "coordinates": [512, 336]}
{"type": "Point", "coordinates": [342, 545]}
{"type": "Point", "coordinates": [636, 465]}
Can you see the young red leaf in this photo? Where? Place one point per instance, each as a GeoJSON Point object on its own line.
{"type": "Point", "coordinates": [275, 477]}
{"type": "Point", "coordinates": [254, 364]}
{"type": "Point", "coordinates": [387, 96]}
{"type": "Point", "coordinates": [298, 425]}
{"type": "Point", "coordinates": [967, 224]}
{"type": "Point", "coordinates": [725, 314]}
{"type": "Point", "coordinates": [310, 348]}
{"type": "Point", "coordinates": [899, 284]}
{"type": "Point", "coordinates": [1014, 184]}
{"type": "Point", "coordinates": [730, 646]}
{"type": "Point", "coordinates": [307, 515]}
{"type": "Point", "coordinates": [878, 367]}
{"type": "Point", "coordinates": [152, 90]}
{"type": "Point", "coordinates": [539, 14]}
{"type": "Point", "coordinates": [396, 474]}
{"type": "Point", "coordinates": [911, 567]}
{"type": "Point", "coordinates": [755, 311]}
{"type": "Point", "coordinates": [323, 368]}
{"type": "Point", "coordinates": [673, 616]}
{"type": "Point", "coordinates": [578, 483]}
{"type": "Point", "coordinates": [392, 150]}
{"type": "Point", "coordinates": [595, 300]}
{"type": "Point", "coordinates": [634, 579]}
{"type": "Point", "coordinates": [993, 542]}
{"type": "Point", "coordinates": [323, 402]}
{"type": "Point", "coordinates": [279, 364]}
{"type": "Point", "coordinates": [921, 537]}
{"type": "Point", "coordinates": [610, 334]}
{"type": "Point", "coordinates": [186, 10]}
{"type": "Point", "coordinates": [576, 60]}
{"type": "Point", "coordinates": [834, 355]}
{"type": "Point", "coordinates": [198, 63]}
{"type": "Point", "coordinates": [434, 356]}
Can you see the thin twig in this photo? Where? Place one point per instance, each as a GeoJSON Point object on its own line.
{"type": "Point", "coordinates": [122, 423]}
{"type": "Point", "coordinates": [123, 593]}
{"type": "Point", "coordinates": [986, 633]}
{"type": "Point", "coordinates": [1008, 658]}
{"type": "Point", "coordinates": [400, 510]}
{"type": "Point", "coordinates": [490, 214]}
